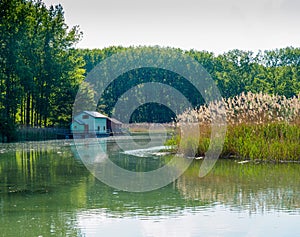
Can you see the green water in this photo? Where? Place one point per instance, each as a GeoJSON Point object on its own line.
{"type": "Point", "coordinates": [45, 190]}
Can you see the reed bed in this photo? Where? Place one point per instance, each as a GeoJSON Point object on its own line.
{"type": "Point", "coordinates": [259, 127]}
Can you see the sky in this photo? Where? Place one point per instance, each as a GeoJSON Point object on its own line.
{"type": "Point", "coordinates": [213, 25]}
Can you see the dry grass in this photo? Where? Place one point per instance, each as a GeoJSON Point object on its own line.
{"type": "Point", "coordinates": [248, 108]}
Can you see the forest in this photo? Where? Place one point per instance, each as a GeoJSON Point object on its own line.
{"type": "Point", "coordinates": [41, 70]}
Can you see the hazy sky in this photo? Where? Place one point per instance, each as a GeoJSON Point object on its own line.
{"type": "Point", "coordinates": [213, 25]}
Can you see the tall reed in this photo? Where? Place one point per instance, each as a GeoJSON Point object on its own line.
{"type": "Point", "coordinates": [259, 126]}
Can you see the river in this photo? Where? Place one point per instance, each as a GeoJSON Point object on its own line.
{"type": "Point", "coordinates": [46, 190]}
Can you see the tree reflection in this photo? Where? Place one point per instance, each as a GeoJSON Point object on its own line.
{"type": "Point", "coordinates": [44, 186]}
{"type": "Point", "coordinates": [253, 187]}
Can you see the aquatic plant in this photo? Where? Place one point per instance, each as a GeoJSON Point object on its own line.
{"type": "Point", "coordinates": [260, 127]}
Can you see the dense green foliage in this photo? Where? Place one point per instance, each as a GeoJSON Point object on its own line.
{"type": "Point", "coordinates": [273, 72]}
{"type": "Point", "coordinates": [40, 70]}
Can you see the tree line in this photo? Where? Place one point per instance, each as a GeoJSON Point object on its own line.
{"type": "Point", "coordinates": [271, 71]}
{"type": "Point", "coordinates": [41, 70]}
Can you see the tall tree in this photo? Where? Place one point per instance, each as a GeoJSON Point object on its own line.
{"type": "Point", "coordinates": [37, 62]}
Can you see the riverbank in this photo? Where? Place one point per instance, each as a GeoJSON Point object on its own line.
{"type": "Point", "coordinates": [51, 133]}
{"type": "Point", "coordinates": [259, 127]}
{"type": "Point", "coordinates": [266, 142]}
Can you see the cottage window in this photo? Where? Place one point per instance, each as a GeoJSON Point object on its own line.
{"type": "Point", "coordinates": [85, 116]}
{"type": "Point", "coordinates": [103, 128]}
{"type": "Point", "coordinates": [98, 128]}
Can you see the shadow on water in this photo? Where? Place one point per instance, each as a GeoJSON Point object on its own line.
{"type": "Point", "coordinates": [44, 188]}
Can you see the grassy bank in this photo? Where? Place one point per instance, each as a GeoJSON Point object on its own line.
{"type": "Point", "coordinates": [259, 127]}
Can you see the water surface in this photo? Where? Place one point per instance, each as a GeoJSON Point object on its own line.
{"type": "Point", "coordinates": [45, 190]}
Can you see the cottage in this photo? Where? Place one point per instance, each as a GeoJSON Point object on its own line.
{"type": "Point", "coordinates": [92, 122]}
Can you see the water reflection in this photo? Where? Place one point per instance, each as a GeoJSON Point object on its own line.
{"type": "Point", "coordinates": [91, 151]}
{"type": "Point", "coordinates": [45, 190]}
{"type": "Point", "coordinates": [256, 188]}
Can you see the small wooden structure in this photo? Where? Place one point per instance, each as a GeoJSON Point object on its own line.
{"type": "Point", "coordinates": [114, 126]}
{"type": "Point", "coordinates": [92, 122]}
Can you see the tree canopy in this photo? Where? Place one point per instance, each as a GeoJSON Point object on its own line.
{"type": "Point", "coordinates": [272, 72]}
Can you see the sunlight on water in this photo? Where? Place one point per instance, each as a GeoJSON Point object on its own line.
{"type": "Point", "coordinates": [147, 152]}
{"type": "Point", "coordinates": [214, 221]}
